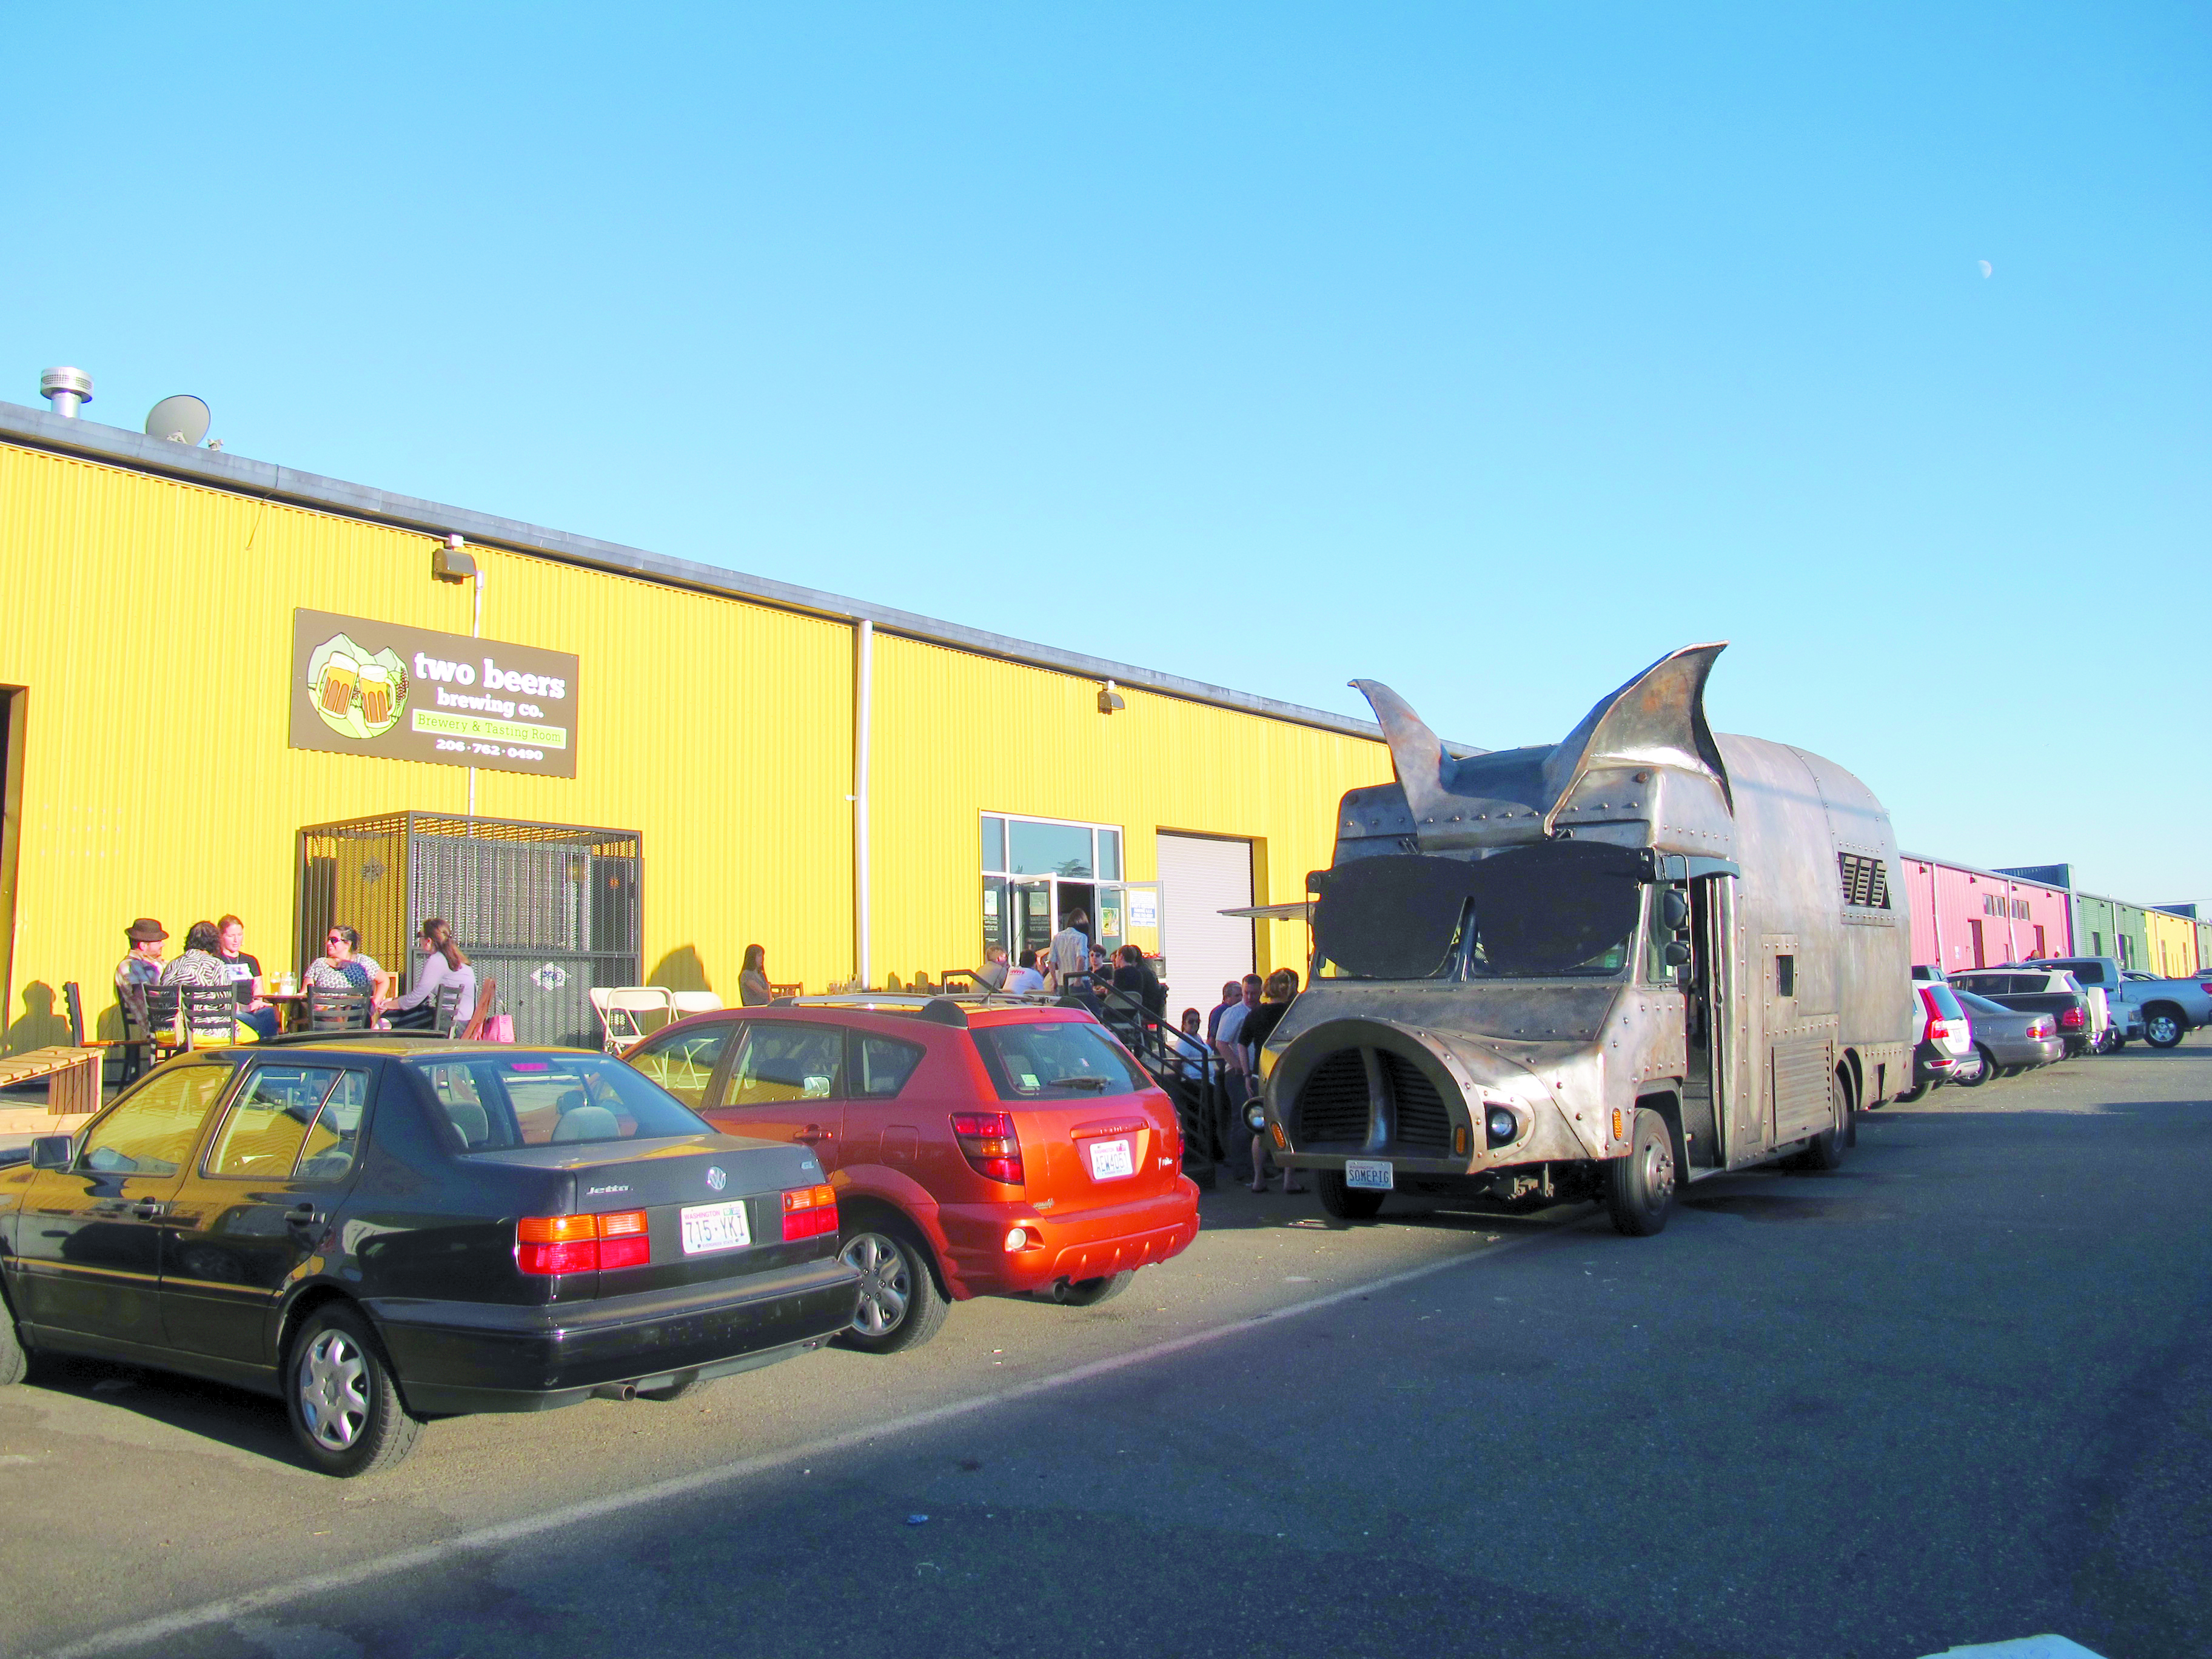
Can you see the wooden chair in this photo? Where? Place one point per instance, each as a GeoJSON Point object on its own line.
{"type": "Point", "coordinates": [793, 989]}
{"type": "Point", "coordinates": [73, 1002]}
{"type": "Point", "coordinates": [487, 1001]}
{"type": "Point", "coordinates": [337, 1011]}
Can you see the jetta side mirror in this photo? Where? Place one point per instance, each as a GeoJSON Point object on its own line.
{"type": "Point", "coordinates": [53, 1151]}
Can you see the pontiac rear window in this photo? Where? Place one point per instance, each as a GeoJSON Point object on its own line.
{"type": "Point", "coordinates": [1063, 1059]}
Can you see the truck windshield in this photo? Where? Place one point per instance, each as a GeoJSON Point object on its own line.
{"type": "Point", "coordinates": [1557, 910]}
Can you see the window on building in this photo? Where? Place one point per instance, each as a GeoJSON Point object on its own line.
{"type": "Point", "coordinates": [1037, 871]}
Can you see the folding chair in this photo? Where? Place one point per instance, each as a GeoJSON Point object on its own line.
{"type": "Point", "coordinates": [445, 1004]}
{"type": "Point", "coordinates": [621, 1011]}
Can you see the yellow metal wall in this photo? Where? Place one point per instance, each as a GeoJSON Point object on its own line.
{"type": "Point", "coordinates": [957, 735]}
{"type": "Point", "coordinates": [2173, 943]}
{"type": "Point", "coordinates": [150, 621]}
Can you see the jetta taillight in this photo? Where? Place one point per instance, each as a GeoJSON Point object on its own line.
{"type": "Point", "coordinates": [989, 1143]}
{"type": "Point", "coordinates": [2040, 1028]}
{"type": "Point", "coordinates": [809, 1212]}
{"type": "Point", "coordinates": [2073, 1019]}
{"type": "Point", "coordinates": [581, 1244]}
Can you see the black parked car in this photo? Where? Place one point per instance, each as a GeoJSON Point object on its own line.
{"type": "Point", "coordinates": [387, 1228]}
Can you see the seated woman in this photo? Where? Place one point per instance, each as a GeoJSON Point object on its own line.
{"type": "Point", "coordinates": [343, 968]}
{"type": "Point", "coordinates": [445, 965]}
{"type": "Point", "coordinates": [201, 964]}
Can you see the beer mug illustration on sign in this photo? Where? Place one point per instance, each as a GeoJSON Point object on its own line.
{"type": "Point", "coordinates": [359, 693]}
{"type": "Point", "coordinates": [340, 676]}
{"type": "Point", "coordinates": [375, 694]}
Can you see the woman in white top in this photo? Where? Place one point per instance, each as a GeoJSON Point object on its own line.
{"type": "Point", "coordinates": [445, 965]}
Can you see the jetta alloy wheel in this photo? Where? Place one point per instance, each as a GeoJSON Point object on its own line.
{"type": "Point", "coordinates": [333, 1382]}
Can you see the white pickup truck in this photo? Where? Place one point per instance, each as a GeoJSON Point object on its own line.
{"type": "Point", "coordinates": [2172, 1008]}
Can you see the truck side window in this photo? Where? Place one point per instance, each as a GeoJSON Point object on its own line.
{"type": "Point", "coordinates": [1786, 975]}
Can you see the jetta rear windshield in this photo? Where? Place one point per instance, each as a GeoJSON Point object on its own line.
{"type": "Point", "coordinates": [495, 1101]}
{"type": "Point", "coordinates": [1063, 1059]}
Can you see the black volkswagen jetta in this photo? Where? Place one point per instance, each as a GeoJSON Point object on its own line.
{"type": "Point", "coordinates": [385, 1229]}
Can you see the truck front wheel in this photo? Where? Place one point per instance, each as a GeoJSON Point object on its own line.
{"type": "Point", "coordinates": [1346, 1203]}
{"type": "Point", "coordinates": [1639, 1189]}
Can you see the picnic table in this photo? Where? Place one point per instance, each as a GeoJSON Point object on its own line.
{"type": "Point", "coordinates": [72, 1077]}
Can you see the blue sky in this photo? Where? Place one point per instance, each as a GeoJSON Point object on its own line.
{"type": "Point", "coordinates": [1489, 352]}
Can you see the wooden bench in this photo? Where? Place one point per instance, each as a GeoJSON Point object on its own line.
{"type": "Point", "coordinates": [72, 1077]}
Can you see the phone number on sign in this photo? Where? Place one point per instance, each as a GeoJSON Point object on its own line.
{"type": "Point", "coordinates": [492, 748]}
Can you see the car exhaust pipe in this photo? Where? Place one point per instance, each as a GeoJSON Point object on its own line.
{"type": "Point", "coordinates": [615, 1391]}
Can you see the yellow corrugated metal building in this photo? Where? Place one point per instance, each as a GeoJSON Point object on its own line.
{"type": "Point", "coordinates": [146, 652]}
{"type": "Point", "coordinates": [2172, 944]}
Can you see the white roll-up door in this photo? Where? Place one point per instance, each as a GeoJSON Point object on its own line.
{"type": "Point", "coordinates": [1202, 876]}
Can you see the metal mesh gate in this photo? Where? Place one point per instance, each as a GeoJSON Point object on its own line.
{"type": "Point", "coordinates": [547, 909]}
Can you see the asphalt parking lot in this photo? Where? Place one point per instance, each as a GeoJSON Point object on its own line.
{"type": "Point", "coordinates": [1956, 1392]}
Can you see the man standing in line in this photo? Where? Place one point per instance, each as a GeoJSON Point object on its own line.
{"type": "Point", "coordinates": [1232, 996]}
{"type": "Point", "coordinates": [1235, 1084]}
{"type": "Point", "coordinates": [1071, 949]}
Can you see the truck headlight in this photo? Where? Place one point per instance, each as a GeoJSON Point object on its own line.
{"type": "Point", "coordinates": [1501, 1126]}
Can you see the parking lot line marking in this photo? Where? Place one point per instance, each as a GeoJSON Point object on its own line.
{"type": "Point", "coordinates": [504, 1533]}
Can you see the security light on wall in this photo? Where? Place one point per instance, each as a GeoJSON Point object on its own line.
{"type": "Point", "coordinates": [451, 562]}
{"type": "Point", "coordinates": [1109, 699]}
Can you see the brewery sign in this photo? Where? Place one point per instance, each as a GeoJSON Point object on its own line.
{"type": "Point", "coordinates": [371, 688]}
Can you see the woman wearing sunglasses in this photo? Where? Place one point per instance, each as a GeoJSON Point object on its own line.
{"type": "Point", "coordinates": [343, 968]}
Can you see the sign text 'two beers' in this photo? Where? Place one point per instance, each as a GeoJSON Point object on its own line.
{"type": "Point", "coordinates": [370, 688]}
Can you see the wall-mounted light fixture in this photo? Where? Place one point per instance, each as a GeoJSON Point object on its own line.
{"type": "Point", "coordinates": [452, 561]}
{"type": "Point", "coordinates": [1109, 699]}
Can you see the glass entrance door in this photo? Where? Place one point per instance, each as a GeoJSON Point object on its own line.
{"type": "Point", "coordinates": [1033, 916]}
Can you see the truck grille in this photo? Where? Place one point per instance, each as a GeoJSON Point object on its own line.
{"type": "Point", "coordinates": [1333, 1106]}
{"type": "Point", "coordinates": [1421, 1118]}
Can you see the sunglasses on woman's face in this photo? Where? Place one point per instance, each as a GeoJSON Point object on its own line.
{"type": "Point", "coordinates": [334, 939]}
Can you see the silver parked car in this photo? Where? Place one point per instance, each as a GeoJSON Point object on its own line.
{"type": "Point", "coordinates": [2006, 1040]}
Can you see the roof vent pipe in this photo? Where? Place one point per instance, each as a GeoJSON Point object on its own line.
{"type": "Point", "coordinates": [68, 389]}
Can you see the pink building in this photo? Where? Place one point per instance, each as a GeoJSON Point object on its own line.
{"type": "Point", "coordinates": [1963, 917]}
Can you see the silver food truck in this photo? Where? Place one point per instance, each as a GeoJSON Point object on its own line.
{"type": "Point", "coordinates": [1596, 970]}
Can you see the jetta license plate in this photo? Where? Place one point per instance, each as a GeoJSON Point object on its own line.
{"type": "Point", "coordinates": [1110, 1160]}
{"type": "Point", "coordinates": [715, 1227]}
{"type": "Point", "coordinates": [1371, 1173]}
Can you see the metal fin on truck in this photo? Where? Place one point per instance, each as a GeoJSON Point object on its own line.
{"type": "Point", "coordinates": [1657, 719]}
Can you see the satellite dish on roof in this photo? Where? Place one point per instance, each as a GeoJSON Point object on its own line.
{"type": "Point", "coordinates": [182, 419]}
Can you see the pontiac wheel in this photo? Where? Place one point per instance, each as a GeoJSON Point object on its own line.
{"type": "Point", "coordinates": [345, 1408]}
{"type": "Point", "coordinates": [900, 1306]}
{"type": "Point", "coordinates": [1639, 1189]}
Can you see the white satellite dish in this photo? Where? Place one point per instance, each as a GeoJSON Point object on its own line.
{"type": "Point", "coordinates": [182, 419]}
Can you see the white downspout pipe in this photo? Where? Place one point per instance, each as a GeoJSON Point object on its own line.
{"type": "Point", "coordinates": [476, 631]}
{"type": "Point", "coordinates": [864, 657]}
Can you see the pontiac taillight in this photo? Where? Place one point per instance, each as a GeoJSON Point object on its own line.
{"type": "Point", "coordinates": [989, 1143]}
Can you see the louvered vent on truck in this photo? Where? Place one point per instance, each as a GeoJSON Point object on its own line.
{"type": "Point", "coordinates": [1866, 880]}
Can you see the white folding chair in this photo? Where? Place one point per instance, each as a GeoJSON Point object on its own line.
{"type": "Point", "coordinates": [695, 1002]}
{"type": "Point", "coordinates": [623, 1011]}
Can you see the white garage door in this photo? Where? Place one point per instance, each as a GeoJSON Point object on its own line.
{"type": "Point", "coordinates": [1203, 877]}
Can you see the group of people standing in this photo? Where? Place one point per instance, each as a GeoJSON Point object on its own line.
{"type": "Point", "coordinates": [1237, 1029]}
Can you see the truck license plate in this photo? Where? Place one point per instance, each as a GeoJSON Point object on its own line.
{"type": "Point", "coordinates": [1370, 1173]}
{"type": "Point", "coordinates": [715, 1227]}
{"type": "Point", "coordinates": [1110, 1160]}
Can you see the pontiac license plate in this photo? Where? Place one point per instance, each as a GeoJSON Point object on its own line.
{"type": "Point", "coordinates": [1371, 1173]}
{"type": "Point", "coordinates": [1110, 1160]}
{"type": "Point", "coordinates": [715, 1227]}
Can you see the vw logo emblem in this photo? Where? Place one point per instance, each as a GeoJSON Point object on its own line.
{"type": "Point", "coordinates": [715, 1179]}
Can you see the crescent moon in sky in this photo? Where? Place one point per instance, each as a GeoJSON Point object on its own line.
{"type": "Point", "coordinates": [1986, 266]}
